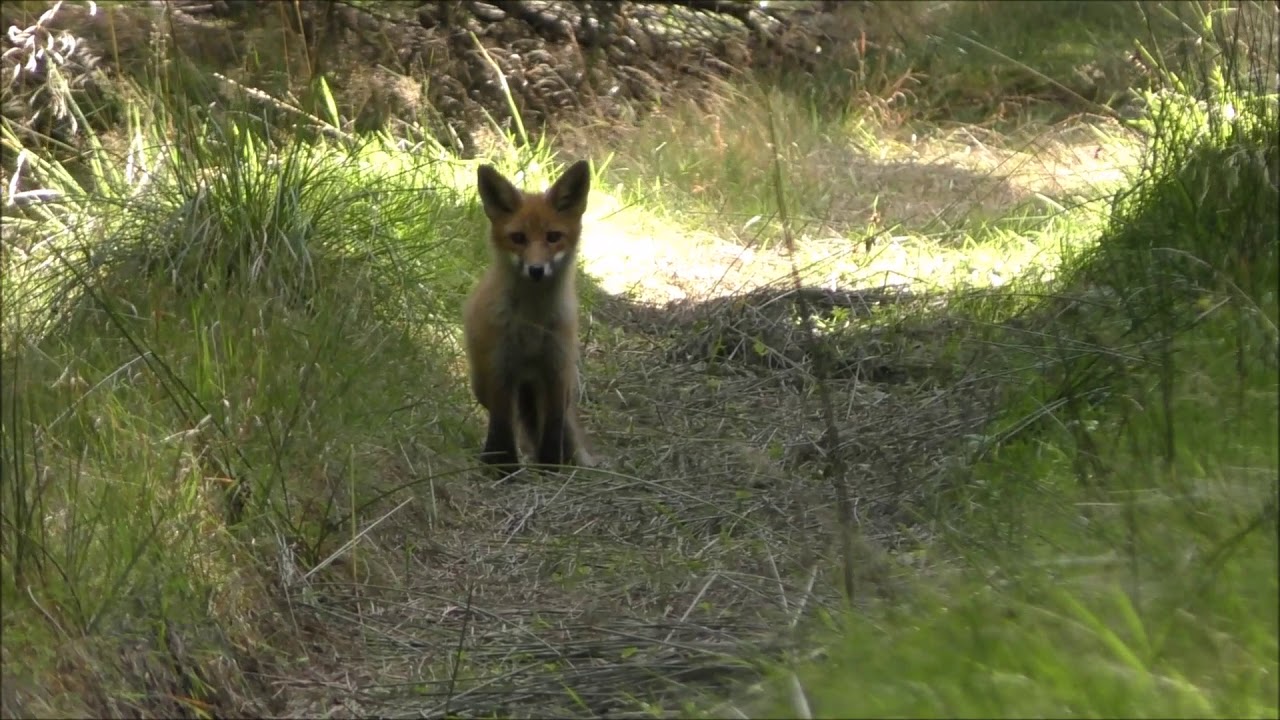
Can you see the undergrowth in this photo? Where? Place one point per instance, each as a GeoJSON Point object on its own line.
{"type": "Point", "coordinates": [237, 443]}
{"type": "Point", "coordinates": [1116, 532]}
{"type": "Point", "coordinates": [215, 354]}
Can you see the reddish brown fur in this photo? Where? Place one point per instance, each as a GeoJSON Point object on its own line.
{"type": "Point", "coordinates": [521, 320]}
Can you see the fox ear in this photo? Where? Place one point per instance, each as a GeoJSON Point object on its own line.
{"type": "Point", "coordinates": [498, 196]}
{"type": "Point", "coordinates": [569, 193]}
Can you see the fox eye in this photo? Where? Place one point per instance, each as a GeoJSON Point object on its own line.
{"type": "Point", "coordinates": [554, 237]}
{"type": "Point", "coordinates": [518, 238]}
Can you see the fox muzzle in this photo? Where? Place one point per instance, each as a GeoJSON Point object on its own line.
{"type": "Point", "coordinates": [539, 271]}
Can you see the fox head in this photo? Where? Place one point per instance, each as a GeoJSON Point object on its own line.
{"type": "Point", "coordinates": [536, 232]}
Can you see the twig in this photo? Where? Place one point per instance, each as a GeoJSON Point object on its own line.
{"type": "Point", "coordinates": [696, 599]}
{"type": "Point", "coordinates": [350, 543]}
{"type": "Point", "coordinates": [506, 90]}
{"type": "Point", "coordinates": [799, 703]}
{"type": "Point", "coordinates": [457, 655]}
{"type": "Point", "coordinates": [834, 467]}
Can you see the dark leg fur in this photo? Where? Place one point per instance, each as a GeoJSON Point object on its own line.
{"type": "Point", "coordinates": [527, 412]}
{"type": "Point", "coordinates": [500, 445]}
{"type": "Point", "coordinates": [555, 447]}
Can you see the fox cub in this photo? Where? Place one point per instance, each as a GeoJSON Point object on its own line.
{"type": "Point", "coordinates": [521, 320]}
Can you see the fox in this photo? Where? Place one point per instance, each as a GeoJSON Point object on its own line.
{"type": "Point", "coordinates": [520, 321]}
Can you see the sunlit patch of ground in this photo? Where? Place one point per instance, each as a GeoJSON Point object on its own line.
{"type": "Point", "coordinates": [909, 214]}
{"type": "Point", "coordinates": [630, 252]}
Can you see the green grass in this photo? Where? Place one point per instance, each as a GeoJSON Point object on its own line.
{"type": "Point", "coordinates": [1149, 592]}
{"type": "Point", "coordinates": [231, 355]}
{"type": "Point", "coordinates": [227, 328]}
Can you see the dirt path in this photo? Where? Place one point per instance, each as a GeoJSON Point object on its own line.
{"type": "Point", "coordinates": [709, 526]}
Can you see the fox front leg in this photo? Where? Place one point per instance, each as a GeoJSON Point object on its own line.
{"type": "Point", "coordinates": [556, 446]}
{"type": "Point", "coordinates": [500, 441]}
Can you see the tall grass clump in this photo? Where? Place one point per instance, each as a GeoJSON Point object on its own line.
{"type": "Point", "coordinates": [221, 352]}
{"type": "Point", "coordinates": [1118, 526]}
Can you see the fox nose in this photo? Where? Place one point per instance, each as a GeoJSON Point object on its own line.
{"type": "Point", "coordinates": [536, 272]}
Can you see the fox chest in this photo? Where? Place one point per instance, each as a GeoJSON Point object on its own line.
{"type": "Point", "coordinates": [532, 345]}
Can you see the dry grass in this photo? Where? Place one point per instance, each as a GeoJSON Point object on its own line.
{"type": "Point", "coordinates": [707, 531]}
